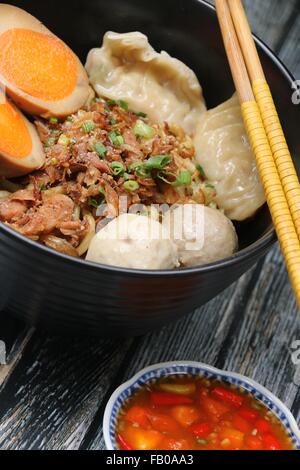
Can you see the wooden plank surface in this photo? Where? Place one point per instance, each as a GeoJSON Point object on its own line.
{"type": "Point", "coordinates": [270, 19]}
{"type": "Point", "coordinates": [53, 390]}
{"type": "Point", "coordinates": [14, 336]}
{"type": "Point", "coordinates": [290, 49]}
{"type": "Point", "coordinates": [56, 389]}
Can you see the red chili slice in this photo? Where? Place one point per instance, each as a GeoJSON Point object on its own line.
{"type": "Point", "coordinates": [124, 444]}
{"type": "Point", "coordinates": [201, 429]}
{"type": "Point", "coordinates": [169, 399]}
{"type": "Point", "coordinates": [263, 426]}
{"type": "Point", "coordinates": [228, 396]}
{"type": "Point", "coordinates": [248, 413]}
{"type": "Point", "coordinates": [271, 442]}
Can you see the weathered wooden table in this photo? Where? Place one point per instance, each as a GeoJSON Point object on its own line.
{"type": "Point", "coordinates": [53, 390]}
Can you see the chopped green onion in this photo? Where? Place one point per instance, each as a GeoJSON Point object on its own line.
{"type": "Point", "coordinates": [162, 175]}
{"type": "Point", "coordinates": [209, 185]}
{"type": "Point", "coordinates": [201, 170]}
{"type": "Point", "coordinates": [141, 129]}
{"type": "Point", "coordinates": [123, 104]}
{"type": "Point", "coordinates": [42, 187]}
{"type": "Point", "coordinates": [100, 149]}
{"type": "Point", "coordinates": [63, 140]}
{"type": "Point", "coordinates": [143, 172]}
{"type": "Point", "coordinates": [135, 165]}
{"type": "Point", "coordinates": [53, 120]}
{"type": "Point", "coordinates": [49, 142]}
{"type": "Point", "coordinates": [70, 119]}
{"type": "Point", "coordinates": [140, 169]}
{"type": "Point", "coordinates": [88, 126]}
{"type": "Point", "coordinates": [183, 179]}
{"type": "Point", "coordinates": [94, 203]}
{"type": "Point", "coordinates": [54, 161]}
{"type": "Point", "coordinates": [117, 168]}
{"type": "Point", "coordinates": [113, 121]}
{"type": "Point", "coordinates": [140, 114]}
{"type": "Point", "coordinates": [54, 131]}
{"type": "Point", "coordinates": [111, 102]}
{"type": "Point", "coordinates": [126, 176]}
{"type": "Point", "coordinates": [102, 191]}
{"type": "Point", "coordinates": [116, 138]}
{"type": "Point", "coordinates": [131, 186]}
{"type": "Point", "coordinates": [157, 162]}
{"type": "Point", "coordinates": [119, 140]}
{"type": "Point", "coordinates": [143, 169]}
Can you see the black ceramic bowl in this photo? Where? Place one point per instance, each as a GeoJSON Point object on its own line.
{"type": "Point", "coordinates": [47, 288]}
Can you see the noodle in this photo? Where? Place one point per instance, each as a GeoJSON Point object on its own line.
{"type": "Point", "coordinates": [84, 245]}
{"type": "Point", "coordinates": [60, 245]}
{"type": "Point", "coordinates": [76, 213]}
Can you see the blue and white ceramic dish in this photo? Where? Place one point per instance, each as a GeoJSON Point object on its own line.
{"type": "Point", "coordinates": [157, 371]}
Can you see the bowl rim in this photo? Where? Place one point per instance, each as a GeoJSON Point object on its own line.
{"type": "Point", "coordinates": [197, 365]}
{"type": "Point", "coordinates": [259, 246]}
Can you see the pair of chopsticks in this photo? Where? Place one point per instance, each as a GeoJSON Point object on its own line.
{"type": "Point", "coordinates": [274, 162]}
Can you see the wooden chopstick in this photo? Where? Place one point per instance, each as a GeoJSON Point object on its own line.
{"type": "Point", "coordinates": [263, 96]}
{"type": "Point", "coordinates": [275, 195]}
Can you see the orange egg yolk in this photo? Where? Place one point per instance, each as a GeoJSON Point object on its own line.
{"type": "Point", "coordinates": [38, 64]}
{"type": "Point", "coordinates": [15, 139]}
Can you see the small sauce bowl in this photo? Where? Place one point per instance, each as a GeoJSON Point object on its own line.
{"type": "Point", "coordinates": [151, 374]}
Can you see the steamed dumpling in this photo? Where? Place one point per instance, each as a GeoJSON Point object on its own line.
{"type": "Point", "coordinates": [133, 241]}
{"type": "Point", "coordinates": [202, 235]}
{"type": "Point", "coordinates": [224, 152]}
{"type": "Point", "coordinates": [126, 67]}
